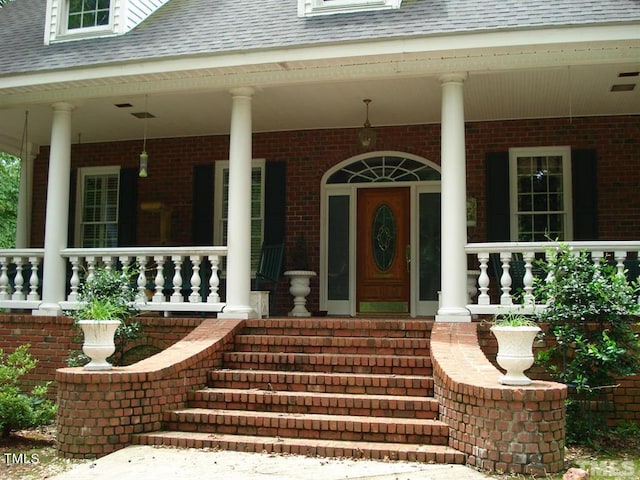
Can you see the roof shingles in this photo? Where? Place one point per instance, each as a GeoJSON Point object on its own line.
{"type": "Point", "coordinates": [199, 27]}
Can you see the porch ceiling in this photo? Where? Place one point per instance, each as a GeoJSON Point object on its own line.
{"type": "Point", "coordinates": [411, 99]}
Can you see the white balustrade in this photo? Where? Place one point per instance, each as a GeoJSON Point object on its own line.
{"type": "Point", "coordinates": [507, 261]}
{"type": "Point", "coordinates": [20, 278]}
{"type": "Point", "coordinates": [172, 275]}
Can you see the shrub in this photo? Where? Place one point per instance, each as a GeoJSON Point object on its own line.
{"type": "Point", "coordinates": [19, 410]}
{"type": "Point", "coordinates": [590, 312]}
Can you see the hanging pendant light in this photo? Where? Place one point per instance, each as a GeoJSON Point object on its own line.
{"type": "Point", "coordinates": [367, 134]}
{"type": "Point", "coordinates": [144, 157]}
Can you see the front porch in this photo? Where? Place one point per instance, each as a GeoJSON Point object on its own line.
{"type": "Point", "coordinates": [188, 279]}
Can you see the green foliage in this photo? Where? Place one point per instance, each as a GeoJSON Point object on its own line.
{"type": "Point", "coordinates": [17, 409]}
{"type": "Point", "coordinates": [591, 314]}
{"type": "Point", "coordinates": [512, 319]}
{"type": "Point", "coordinates": [109, 294]}
{"type": "Point", "coordinates": [9, 188]}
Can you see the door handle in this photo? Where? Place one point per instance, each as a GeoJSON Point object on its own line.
{"type": "Point", "coordinates": [407, 257]}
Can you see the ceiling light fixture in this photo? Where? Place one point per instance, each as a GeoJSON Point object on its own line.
{"type": "Point", "coordinates": [367, 135]}
{"type": "Point", "coordinates": [144, 157]}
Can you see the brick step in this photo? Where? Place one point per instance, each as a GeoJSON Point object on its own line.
{"type": "Point", "coordinates": [310, 426]}
{"type": "Point", "coordinates": [333, 362]}
{"type": "Point", "coordinates": [340, 327]}
{"type": "Point", "coordinates": [318, 344]}
{"type": "Point", "coordinates": [326, 448]}
{"type": "Point", "coordinates": [318, 403]}
{"type": "Point", "coordinates": [351, 383]}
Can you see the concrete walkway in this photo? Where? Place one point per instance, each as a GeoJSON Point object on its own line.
{"type": "Point", "coordinates": [156, 463]}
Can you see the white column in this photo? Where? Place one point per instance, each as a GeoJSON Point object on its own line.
{"type": "Point", "coordinates": [239, 214]}
{"type": "Point", "coordinates": [454, 215]}
{"type": "Point", "coordinates": [57, 212]}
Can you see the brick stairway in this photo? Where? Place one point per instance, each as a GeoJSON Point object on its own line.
{"type": "Point", "coordinates": [321, 386]}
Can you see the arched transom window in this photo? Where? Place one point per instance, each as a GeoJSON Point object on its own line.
{"type": "Point", "coordinates": [384, 169]}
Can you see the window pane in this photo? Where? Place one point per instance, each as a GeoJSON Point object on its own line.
{"type": "Point", "coordinates": [429, 255]}
{"type": "Point", "coordinates": [100, 211]}
{"type": "Point", "coordinates": [540, 200]}
{"type": "Point", "coordinates": [338, 239]}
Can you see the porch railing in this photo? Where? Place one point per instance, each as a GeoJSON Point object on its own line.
{"type": "Point", "coordinates": [504, 277]}
{"type": "Point", "coordinates": [170, 279]}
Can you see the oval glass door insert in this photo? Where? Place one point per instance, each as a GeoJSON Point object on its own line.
{"type": "Point", "coordinates": [383, 239]}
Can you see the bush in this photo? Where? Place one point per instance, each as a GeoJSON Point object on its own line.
{"type": "Point", "coordinates": [19, 410]}
{"type": "Point", "coordinates": [590, 312]}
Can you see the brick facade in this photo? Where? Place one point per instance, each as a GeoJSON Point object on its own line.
{"type": "Point", "coordinates": [310, 153]}
{"type": "Point", "coordinates": [52, 339]}
{"type": "Point", "coordinates": [500, 428]}
{"type": "Point", "coordinates": [98, 412]}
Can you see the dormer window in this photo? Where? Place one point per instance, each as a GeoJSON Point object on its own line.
{"type": "Point", "coordinates": [310, 8]}
{"type": "Point", "coordinates": [88, 14]}
{"type": "Point", "coordinates": [69, 20]}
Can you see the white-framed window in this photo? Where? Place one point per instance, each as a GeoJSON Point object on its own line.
{"type": "Point", "coordinates": [97, 207]}
{"type": "Point", "coordinates": [540, 192]}
{"type": "Point", "coordinates": [221, 206]}
{"type": "Point", "coordinates": [83, 14]}
{"type": "Point", "coordinates": [309, 8]}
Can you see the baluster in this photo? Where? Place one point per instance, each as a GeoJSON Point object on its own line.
{"type": "Point", "coordinates": [483, 279]}
{"type": "Point", "coordinates": [620, 258]}
{"type": "Point", "coordinates": [505, 279]}
{"type": "Point", "coordinates": [34, 281]}
{"type": "Point", "coordinates": [74, 282]}
{"type": "Point", "coordinates": [91, 268]}
{"type": "Point", "coordinates": [176, 297]}
{"type": "Point", "coordinates": [596, 257]}
{"type": "Point", "coordinates": [214, 281]}
{"type": "Point", "coordinates": [108, 262]}
{"type": "Point", "coordinates": [18, 282]}
{"type": "Point", "coordinates": [142, 279]}
{"type": "Point", "coordinates": [4, 279]}
{"type": "Point", "coordinates": [527, 280]}
{"type": "Point", "coordinates": [196, 281]}
{"type": "Point", "coordinates": [158, 296]}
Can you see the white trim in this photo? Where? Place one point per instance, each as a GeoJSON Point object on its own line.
{"type": "Point", "coordinates": [567, 196]}
{"type": "Point", "coordinates": [476, 52]}
{"type": "Point", "coordinates": [82, 174]}
{"type": "Point", "coordinates": [311, 8]}
{"type": "Point", "coordinates": [348, 307]}
{"type": "Point", "coordinates": [218, 191]}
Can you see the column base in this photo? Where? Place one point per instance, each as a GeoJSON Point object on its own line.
{"type": "Point", "coordinates": [238, 312]}
{"type": "Point", "coordinates": [453, 314]}
{"type": "Point", "coordinates": [48, 310]}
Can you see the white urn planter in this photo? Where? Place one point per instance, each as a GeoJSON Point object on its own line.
{"type": "Point", "coordinates": [99, 342]}
{"type": "Point", "coordinates": [299, 289]}
{"type": "Point", "coordinates": [515, 352]}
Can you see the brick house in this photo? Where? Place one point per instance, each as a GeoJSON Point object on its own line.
{"type": "Point", "coordinates": [495, 126]}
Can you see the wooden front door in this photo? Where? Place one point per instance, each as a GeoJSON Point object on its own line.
{"type": "Point", "coordinates": [383, 250]}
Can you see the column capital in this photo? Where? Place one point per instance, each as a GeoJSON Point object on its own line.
{"type": "Point", "coordinates": [457, 77]}
{"type": "Point", "coordinates": [63, 106]}
{"type": "Point", "coordinates": [242, 91]}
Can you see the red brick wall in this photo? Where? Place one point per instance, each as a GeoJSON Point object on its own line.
{"type": "Point", "coordinates": [99, 412]}
{"type": "Point", "coordinates": [500, 428]}
{"type": "Point", "coordinates": [53, 338]}
{"type": "Point", "coordinates": [309, 154]}
{"type": "Point", "coordinates": [625, 398]}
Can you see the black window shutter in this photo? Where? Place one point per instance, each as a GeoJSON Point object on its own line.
{"type": "Point", "coordinates": [127, 207]}
{"type": "Point", "coordinates": [498, 209]}
{"type": "Point", "coordinates": [202, 205]}
{"type": "Point", "coordinates": [585, 202]}
{"type": "Point", "coordinates": [275, 202]}
{"type": "Point", "coordinates": [72, 208]}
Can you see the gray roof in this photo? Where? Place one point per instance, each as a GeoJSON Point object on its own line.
{"type": "Point", "coordinates": [202, 27]}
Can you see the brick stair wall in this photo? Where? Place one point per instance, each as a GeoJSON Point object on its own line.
{"type": "Point", "coordinates": [293, 385]}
